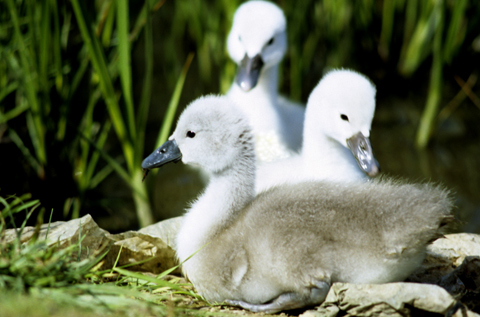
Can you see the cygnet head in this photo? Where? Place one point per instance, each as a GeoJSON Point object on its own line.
{"type": "Point", "coordinates": [341, 107]}
{"type": "Point", "coordinates": [257, 40]}
{"type": "Point", "coordinates": [210, 133]}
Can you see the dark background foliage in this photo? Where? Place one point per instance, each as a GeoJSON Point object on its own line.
{"type": "Point", "coordinates": [58, 115]}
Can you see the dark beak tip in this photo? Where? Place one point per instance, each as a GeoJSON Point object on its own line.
{"type": "Point", "coordinates": [374, 171]}
{"type": "Point", "coordinates": [145, 173]}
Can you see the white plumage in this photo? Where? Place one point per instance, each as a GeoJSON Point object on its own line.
{"type": "Point", "coordinates": [340, 108]}
{"type": "Point", "coordinates": [257, 43]}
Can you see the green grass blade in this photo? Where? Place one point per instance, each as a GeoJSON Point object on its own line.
{"type": "Point", "coordinates": [141, 200]}
{"type": "Point", "coordinates": [15, 112]}
{"type": "Point", "coordinates": [8, 89]}
{"type": "Point", "coordinates": [102, 138]}
{"type": "Point", "coordinates": [419, 47]}
{"type": "Point", "coordinates": [166, 272]}
{"type": "Point", "coordinates": [100, 176]}
{"type": "Point", "coordinates": [6, 211]}
{"type": "Point", "coordinates": [88, 126]}
{"type": "Point", "coordinates": [454, 36]}
{"type": "Point", "coordinates": [142, 16]}
{"type": "Point", "coordinates": [111, 161]}
{"type": "Point", "coordinates": [172, 106]}
{"type": "Point", "coordinates": [36, 141]}
{"type": "Point", "coordinates": [56, 64]}
{"type": "Point", "coordinates": [108, 24]}
{"type": "Point", "coordinates": [25, 151]}
{"type": "Point", "coordinates": [124, 63]}
{"type": "Point", "coordinates": [49, 222]}
{"type": "Point", "coordinates": [98, 62]}
{"type": "Point", "coordinates": [435, 90]}
{"type": "Point", "coordinates": [147, 87]}
{"type": "Point", "coordinates": [150, 279]}
{"type": "Point", "coordinates": [411, 12]}
{"type": "Point", "coordinates": [80, 239]}
{"type": "Point", "coordinates": [23, 206]}
{"type": "Point", "coordinates": [62, 122]}
{"type": "Point", "coordinates": [78, 77]}
{"type": "Point", "coordinates": [67, 22]}
{"type": "Point", "coordinates": [116, 260]}
{"type": "Point", "coordinates": [33, 21]}
{"type": "Point", "coordinates": [32, 205]}
{"type": "Point", "coordinates": [45, 46]}
{"type": "Point", "coordinates": [14, 200]}
{"type": "Point", "coordinates": [56, 45]}
{"type": "Point", "coordinates": [388, 15]}
{"type": "Point", "coordinates": [38, 131]}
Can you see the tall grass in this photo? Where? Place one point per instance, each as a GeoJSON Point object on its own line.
{"type": "Point", "coordinates": [425, 23]}
{"type": "Point", "coordinates": [41, 67]}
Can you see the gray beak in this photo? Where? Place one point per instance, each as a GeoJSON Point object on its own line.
{"type": "Point", "coordinates": [249, 71]}
{"type": "Point", "coordinates": [363, 152]}
{"type": "Point", "coordinates": [166, 153]}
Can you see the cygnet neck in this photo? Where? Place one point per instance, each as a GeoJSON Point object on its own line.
{"type": "Point", "coordinates": [267, 82]}
{"type": "Point", "coordinates": [260, 102]}
{"type": "Point", "coordinates": [228, 192]}
{"type": "Point", "coordinates": [326, 157]}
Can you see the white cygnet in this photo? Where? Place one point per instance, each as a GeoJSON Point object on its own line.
{"type": "Point", "coordinates": [336, 145]}
{"type": "Point", "coordinates": [283, 249]}
{"type": "Point", "coordinates": [257, 43]}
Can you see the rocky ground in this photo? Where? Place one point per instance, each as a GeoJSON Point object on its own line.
{"type": "Point", "coordinates": [447, 283]}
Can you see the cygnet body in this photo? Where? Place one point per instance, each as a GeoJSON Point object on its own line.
{"type": "Point", "coordinates": [336, 145]}
{"type": "Point", "coordinates": [257, 42]}
{"type": "Point", "coordinates": [284, 248]}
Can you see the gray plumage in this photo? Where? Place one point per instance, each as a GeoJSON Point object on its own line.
{"type": "Point", "coordinates": [292, 236]}
{"type": "Point", "coordinates": [284, 248]}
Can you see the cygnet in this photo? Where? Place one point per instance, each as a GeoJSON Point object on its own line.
{"type": "Point", "coordinates": [284, 248]}
{"type": "Point", "coordinates": [257, 42]}
{"type": "Point", "coordinates": [336, 145]}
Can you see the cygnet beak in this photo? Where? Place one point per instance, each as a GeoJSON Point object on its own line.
{"type": "Point", "coordinates": [249, 71]}
{"type": "Point", "coordinates": [166, 153]}
{"type": "Point", "coordinates": [363, 152]}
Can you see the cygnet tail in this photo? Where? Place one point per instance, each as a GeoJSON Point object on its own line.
{"type": "Point", "coordinates": [423, 218]}
{"type": "Point", "coordinates": [437, 211]}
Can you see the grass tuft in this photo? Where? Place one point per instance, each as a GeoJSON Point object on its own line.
{"type": "Point", "coordinates": [52, 281]}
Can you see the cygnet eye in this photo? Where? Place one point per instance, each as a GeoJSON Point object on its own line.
{"type": "Point", "coordinates": [344, 117]}
{"type": "Point", "coordinates": [270, 42]}
{"type": "Point", "coordinates": [190, 134]}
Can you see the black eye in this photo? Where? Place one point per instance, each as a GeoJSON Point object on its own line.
{"type": "Point", "coordinates": [190, 134]}
{"type": "Point", "coordinates": [344, 117]}
{"type": "Point", "coordinates": [270, 42]}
